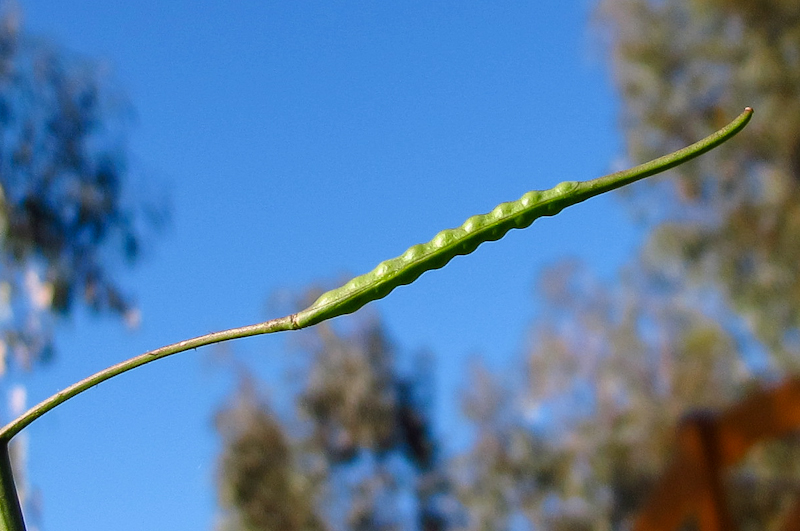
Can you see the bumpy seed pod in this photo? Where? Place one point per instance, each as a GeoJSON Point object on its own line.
{"type": "Point", "coordinates": [492, 226]}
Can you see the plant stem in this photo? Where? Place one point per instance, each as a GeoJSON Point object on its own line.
{"type": "Point", "coordinates": [268, 327]}
{"type": "Point", "coordinates": [10, 510]}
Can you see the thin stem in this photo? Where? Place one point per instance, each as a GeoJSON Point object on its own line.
{"type": "Point", "coordinates": [268, 327]}
{"type": "Point", "coordinates": [10, 510]}
{"type": "Point", "coordinates": [662, 164]}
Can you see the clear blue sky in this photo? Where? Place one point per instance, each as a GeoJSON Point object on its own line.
{"type": "Point", "coordinates": [299, 142]}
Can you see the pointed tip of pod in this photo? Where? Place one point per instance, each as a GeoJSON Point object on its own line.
{"type": "Point", "coordinates": [748, 109]}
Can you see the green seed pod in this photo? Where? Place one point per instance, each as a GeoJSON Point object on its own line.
{"type": "Point", "coordinates": [492, 226]}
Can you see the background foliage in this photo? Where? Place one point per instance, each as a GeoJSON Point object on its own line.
{"type": "Point", "coordinates": [65, 220]}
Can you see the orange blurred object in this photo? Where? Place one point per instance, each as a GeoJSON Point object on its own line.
{"type": "Point", "coordinates": [707, 443]}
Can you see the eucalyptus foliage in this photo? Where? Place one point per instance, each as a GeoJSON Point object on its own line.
{"type": "Point", "coordinates": [732, 219]}
{"type": "Point", "coordinates": [64, 217]}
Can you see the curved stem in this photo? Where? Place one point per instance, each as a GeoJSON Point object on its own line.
{"type": "Point", "coordinates": [268, 327]}
{"type": "Point", "coordinates": [10, 510]}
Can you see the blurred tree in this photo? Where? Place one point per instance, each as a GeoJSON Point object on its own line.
{"type": "Point", "coordinates": [507, 473]}
{"type": "Point", "coordinates": [610, 373]}
{"type": "Point", "coordinates": [261, 486]}
{"type": "Point", "coordinates": [358, 448]}
{"type": "Point", "coordinates": [734, 217]}
{"type": "Point", "coordinates": [62, 169]}
{"type": "Point", "coordinates": [611, 370]}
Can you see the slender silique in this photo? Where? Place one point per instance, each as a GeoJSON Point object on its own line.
{"type": "Point", "coordinates": [374, 285]}
{"type": "Point", "coordinates": [519, 214]}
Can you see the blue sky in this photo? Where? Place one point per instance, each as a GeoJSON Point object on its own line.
{"type": "Point", "coordinates": [299, 143]}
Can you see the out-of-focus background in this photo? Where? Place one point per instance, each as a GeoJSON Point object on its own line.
{"type": "Point", "coordinates": [174, 168]}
